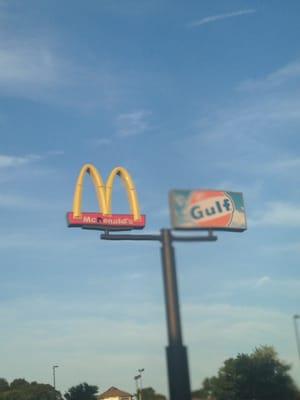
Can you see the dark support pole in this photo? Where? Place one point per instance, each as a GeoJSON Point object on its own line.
{"type": "Point", "coordinates": [177, 361]}
{"type": "Point", "coordinates": [297, 333]}
{"type": "Point", "coordinates": [53, 368]}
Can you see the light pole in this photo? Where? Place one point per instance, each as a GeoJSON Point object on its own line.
{"type": "Point", "coordinates": [136, 378]}
{"type": "Point", "coordinates": [53, 370]}
{"type": "Point", "coordinates": [295, 317]}
{"type": "Point", "coordinates": [141, 382]}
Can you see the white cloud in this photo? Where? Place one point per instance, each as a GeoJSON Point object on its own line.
{"type": "Point", "coordinates": [264, 286]}
{"type": "Point", "coordinates": [213, 18]}
{"type": "Point", "coordinates": [14, 201]}
{"type": "Point", "coordinates": [203, 322]}
{"type": "Point", "coordinates": [280, 76]}
{"type": "Point", "coordinates": [102, 142]}
{"type": "Point", "coordinates": [278, 214]}
{"type": "Point", "coordinates": [134, 123]}
{"type": "Point", "coordinates": [29, 64]}
{"type": "Point", "coordinates": [25, 239]}
{"type": "Point", "coordinates": [32, 68]}
{"type": "Point", "coordinates": [55, 153]}
{"type": "Point", "coordinates": [252, 134]}
{"type": "Point", "coordinates": [35, 65]}
{"type": "Point", "coordinates": [135, 276]}
{"type": "Point", "coordinates": [13, 161]}
{"type": "Point", "coordinates": [284, 164]}
{"type": "Point", "coordinates": [262, 281]}
{"type": "Point", "coordinates": [8, 161]}
{"type": "Point", "coordinates": [282, 248]}
{"type": "Point", "coordinates": [285, 288]}
{"type": "Point", "coordinates": [85, 336]}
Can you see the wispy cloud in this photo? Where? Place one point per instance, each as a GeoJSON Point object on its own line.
{"type": "Point", "coordinates": [32, 67]}
{"type": "Point", "coordinates": [255, 129]}
{"type": "Point", "coordinates": [274, 79]}
{"type": "Point", "coordinates": [281, 167]}
{"type": "Point", "coordinates": [263, 286]}
{"type": "Point", "coordinates": [262, 281]}
{"type": "Point", "coordinates": [8, 161]}
{"type": "Point", "coordinates": [28, 64]}
{"type": "Point", "coordinates": [102, 142]}
{"type": "Point", "coordinates": [16, 201]}
{"type": "Point", "coordinates": [55, 153]}
{"type": "Point", "coordinates": [57, 328]}
{"type": "Point", "coordinates": [284, 165]}
{"type": "Point", "coordinates": [134, 123]}
{"type": "Point", "coordinates": [278, 214]}
{"type": "Point", "coordinates": [12, 161]}
{"type": "Point", "coordinates": [218, 17]}
{"type": "Point", "coordinates": [293, 247]}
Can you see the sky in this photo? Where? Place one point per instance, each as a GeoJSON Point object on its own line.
{"type": "Point", "coordinates": [185, 95]}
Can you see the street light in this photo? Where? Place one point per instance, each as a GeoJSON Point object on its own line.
{"type": "Point", "coordinates": [136, 378]}
{"type": "Point", "coordinates": [295, 317]}
{"type": "Point", "coordinates": [53, 370]}
{"type": "Point", "coordinates": [141, 383]}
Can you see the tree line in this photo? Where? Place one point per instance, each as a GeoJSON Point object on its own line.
{"type": "Point", "coordinates": [260, 375]}
{"type": "Point", "coordinates": [20, 389]}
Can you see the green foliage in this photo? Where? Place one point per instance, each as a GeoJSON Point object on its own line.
{"type": "Point", "coordinates": [258, 376]}
{"type": "Point", "coordinates": [207, 388]}
{"type": "Point", "coordinates": [83, 391]}
{"type": "Point", "coordinates": [19, 383]}
{"type": "Point", "coordinates": [149, 394]}
{"type": "Point", "coordinates": [20, 389]}
{"type": "Point", "coordinates": [4, 386]}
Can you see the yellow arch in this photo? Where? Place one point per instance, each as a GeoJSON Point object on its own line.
{"type": "Point", "coordinates": [99, 187]}
{"type": "Point", "coordinates": [104, 192]}
{"type": "Point", "coordinates": [130, 188]}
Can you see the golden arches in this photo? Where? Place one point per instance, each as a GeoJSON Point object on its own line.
{"type": "Point", "coordinates": [104, 192]}
{"type": "Point", "coordinates": [99, 187]}
{"type": "Point", "coordinates": [130, 188]}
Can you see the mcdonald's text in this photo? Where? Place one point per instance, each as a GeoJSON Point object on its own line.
{"type": "Point", "coordinates": [94, 220]}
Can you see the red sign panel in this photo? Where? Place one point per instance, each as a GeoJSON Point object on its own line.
{"type": "Point", "coordinates": [92, 220]}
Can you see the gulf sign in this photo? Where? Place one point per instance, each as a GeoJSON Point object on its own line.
{"type": "Point", "coordinates": [207, 210]}
{"type": "Point", "coordinates": [105, 219]}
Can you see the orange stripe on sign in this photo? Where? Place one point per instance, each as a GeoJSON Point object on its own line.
{"type": "Point", "coordinates": [217, 222]}
{"type": "Point", "coordinates": [200, 196]}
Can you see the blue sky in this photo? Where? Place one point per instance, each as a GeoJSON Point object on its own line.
{"type": "Point", "coordinates": [184, 95]}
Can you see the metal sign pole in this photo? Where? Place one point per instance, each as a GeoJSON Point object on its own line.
{"type": "Point", "coordinates": [177, 360]}
{"type": "Point", "coordinates": [297, 333]}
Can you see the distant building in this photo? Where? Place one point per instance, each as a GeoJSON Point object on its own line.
{"type": "Point", "coordinates": [114, 393]}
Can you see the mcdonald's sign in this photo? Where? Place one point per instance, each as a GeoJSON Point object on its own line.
{"type": "Point", "coordinates": [105, 220]}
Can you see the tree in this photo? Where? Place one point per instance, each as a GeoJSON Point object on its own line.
{"type": "Point", "coordinates": [258, 376]}
{"type": "Point", "coordinates": [4, 386]}
{"type": "Point", "coordinates": [20, 389]}
{"type": "Point", "coordinates": [19, 383]}
{"type": "Point", "coordinates": [206, 391]}
{"type": "Point", "coordinates": [83, 391]}
{"type": "Point", "coordinates": [149, 394]}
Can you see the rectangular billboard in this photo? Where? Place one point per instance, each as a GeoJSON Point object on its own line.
{"type": "Point", "coordinates": [207, 210]}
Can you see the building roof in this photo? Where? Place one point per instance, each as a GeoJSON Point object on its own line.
{"type": "Point", "coordinates": [114, 392]}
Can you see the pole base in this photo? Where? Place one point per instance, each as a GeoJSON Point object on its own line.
{"type": "Point", "coordinates": [178, 372]}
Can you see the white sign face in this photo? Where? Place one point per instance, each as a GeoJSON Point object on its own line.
{"type": "Point", "coordinates": [207, 209]}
